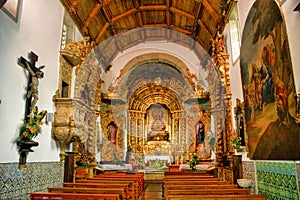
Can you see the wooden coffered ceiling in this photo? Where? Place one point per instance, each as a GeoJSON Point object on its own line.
{"type": "Point", "coordinates": [101, 19]}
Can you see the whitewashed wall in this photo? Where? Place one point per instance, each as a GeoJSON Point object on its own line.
{"type": "Point", "coordinates": [38, 29]}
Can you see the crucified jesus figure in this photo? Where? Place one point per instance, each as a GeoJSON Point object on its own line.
{"type": "Point", "coordinates": [35, 74]}
{"type": "Point", "coordinates": [34, 91]}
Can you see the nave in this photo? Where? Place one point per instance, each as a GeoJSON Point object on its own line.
{"type": "Point", "coordinates": [137, 186]}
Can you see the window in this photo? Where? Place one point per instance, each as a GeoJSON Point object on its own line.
{"type": "Point", "coordinates": [234, 33]}
{"type": "Point", "coordinates": [67, 31]}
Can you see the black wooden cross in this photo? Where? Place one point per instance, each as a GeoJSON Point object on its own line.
{"type": "Point", "coordinates": [33, 82]}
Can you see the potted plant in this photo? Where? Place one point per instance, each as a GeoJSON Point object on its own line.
{"type": "Point", "coordinates": [194, 161]}
{"type": "Point", "coordinates": [30, 129]}
{"type": "Point", "coordinates": [236, 142]}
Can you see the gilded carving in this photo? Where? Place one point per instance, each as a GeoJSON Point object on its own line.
{"type": "Point", "coordinates": [75, 52]}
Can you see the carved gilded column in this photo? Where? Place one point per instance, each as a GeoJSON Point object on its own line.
{"type": "Point", "coordinates": [220, 59]}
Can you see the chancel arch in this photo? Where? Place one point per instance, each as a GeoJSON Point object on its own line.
{"type": "Point", "coordinates": [148, 81]}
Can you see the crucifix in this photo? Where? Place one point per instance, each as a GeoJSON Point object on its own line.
{"type": "Point", "coordinates": [35, 74]}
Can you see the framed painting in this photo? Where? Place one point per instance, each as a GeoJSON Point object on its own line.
{"type": "Point", "coordinates": [11, 8]}
{"type": "Point", "coordinates": [268, 85]}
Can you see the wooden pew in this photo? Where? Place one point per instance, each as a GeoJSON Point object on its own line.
{"type": "Point", "coordinates": [199, 186]}
{"type": "Point", "coordinates": [203, 186]}
{"type": "Point", "coordinates": [80, 190]}
{"type": "Point", "coordinates": [133, 189]}
{"type": "Point", "coordinates": [203, 191]}
{"type": "Point", "coordinates": [135, 181]}
{"type": "Point", "coordinates": [124, 186]}
{"type": "Point", "coordinates": [187, 177]}
{"type": "Point", "coordinates": [140, 176]}
{"type": "Point", "coordinates": [187, 173]}
{"type": "Point", "coordinates": [48, 195]}
{"type": "Point", "coordinates": [218, 197]}
{"type": "Point", "coordinates": [194, 182]}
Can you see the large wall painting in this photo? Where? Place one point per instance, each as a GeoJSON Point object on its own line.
{"type": "Point", "coordinates": [268, 85]}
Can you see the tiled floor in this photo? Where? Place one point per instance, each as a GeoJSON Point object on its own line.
{"type": "Point", "coordinates": [152, 191]}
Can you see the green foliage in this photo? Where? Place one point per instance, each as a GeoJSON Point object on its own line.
{"type": "Point", "coordinates": [32, 126]}
{"type": "Point", "coordinates": [117, 160]}
{"type": "Point", "coordinates": [157, 164]}
{"type": "Point", "coordinates": [194, 161]}
{"type": "Point", "coordinates": [236, 143]}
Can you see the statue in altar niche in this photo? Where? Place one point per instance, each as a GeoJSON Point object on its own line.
{"type": "Point", "coordinates": [112, 132]}
{"type": "Point", "coordinates": [202, 135]}
{"type": "Point", "coordinates": [158, 124]}
{"type": "Point", "coordinates": [199, 130]}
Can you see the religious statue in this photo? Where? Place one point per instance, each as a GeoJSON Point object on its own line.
{"type": "Point", "coordinates": [35, 74]}
{"type": "Point", "coordinates": [199, 130]}
{"type": "Point", "coordinates": [112, 132]}
{"type": "Point", "coordinates": [158, 124]}
{"type": "Point", "coordinates": [33, 91]}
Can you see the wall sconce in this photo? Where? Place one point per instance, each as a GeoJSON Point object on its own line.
{"type": "Point", "coordinates": [49, 118]}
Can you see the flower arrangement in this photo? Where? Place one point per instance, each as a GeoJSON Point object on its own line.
{"type": "Point", "coordinates": [194, 161]}
{"type": "Point", "coordinates": [32, 126]}
{"type": "Point", "coordinates": [236, 142]}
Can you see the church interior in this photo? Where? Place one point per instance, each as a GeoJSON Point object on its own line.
{"type": "Point", "coordinates": [150, 99]}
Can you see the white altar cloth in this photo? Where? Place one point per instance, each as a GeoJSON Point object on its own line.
{"type": "Point", "coordinates": [157, 158]}
{"type": "Point", "coordinates": [198, 167]}
{"type": "Point", "coordinates": [108, 167]}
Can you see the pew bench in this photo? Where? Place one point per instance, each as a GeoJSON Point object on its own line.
{"type": "Point", "coordinates": [220, 191]}
{"type": "Point", "coordinates": [80, 190]}
{"type": "Point", "coordinates": [187, 173]}
{"type": "Point", "coordinates": [72, 196]}
{"type": "Point", "coordinates": [187, 177]}
{"type": "Point", "coordinates": [140, 177]}
{"type": "Point", "coordinates": [132, 191]}
{"type": "Point", "coordinates": [100, 185]}
{"type": "Point", "coordinates": [189, 183]}
{"type": "Point", "coordinates": [219, 197]}
{"type": "Point", "coordinates": [135, 181]}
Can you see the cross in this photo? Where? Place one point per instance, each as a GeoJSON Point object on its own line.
{"type": "Point", "coordinates": [33, 82]}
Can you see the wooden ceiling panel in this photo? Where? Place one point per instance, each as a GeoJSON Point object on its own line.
{"type": "Point", "coordinates": [152, 2]}
{"type": "Point", "coordinates": [95, 27]}
{"type": "Point", "coordinates": [124, 24]}
{"type": "Point", "coordinates": [186, 6]}
{"type": "Point", "coordinates": [119, 7]}
{"type": "Point", "coordinates": [208, 21]}
{"type": "Point", "coordinates": [84, 8]}
{"type": "Point", "coordinates": [153, 17]}
{"type": "Point", "coordinates": [101, 19]}
{"type": "Point", "coordinates": [215, 4]}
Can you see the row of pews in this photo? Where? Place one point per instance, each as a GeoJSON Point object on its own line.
{"type": "Point", "coordinates": [107, 186]}
{"type": "Point", "coordinates": [198, 186]}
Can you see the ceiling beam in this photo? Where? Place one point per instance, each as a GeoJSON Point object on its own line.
{"type": "Point", "coordinates": [153, 7]}
{"type": "Point", "coordinates": [74, 5]}
{"type": "Point", "coordinates": [108, 18]}
{"type": "Point", "coordinates": [123, 15]}
{"type": "Point", "coordinates": [204, 27]}
{"type": "Point", "coordinates": [92, 14]}
{"type": "Point", "coordinates": [195, 33]}
{"type": "Point", "coordinates": [178, 11]}
{"type": "Point", "coordinates": [210, 9]}
{"type": "Point", "coordinates": [184, 31]}
{"type": "Point", "coordinates": [102, 31]}
{"type": "Point", "coordinates": [138, 14]}
{"type": "Point", "coordinates": [168, 13]}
